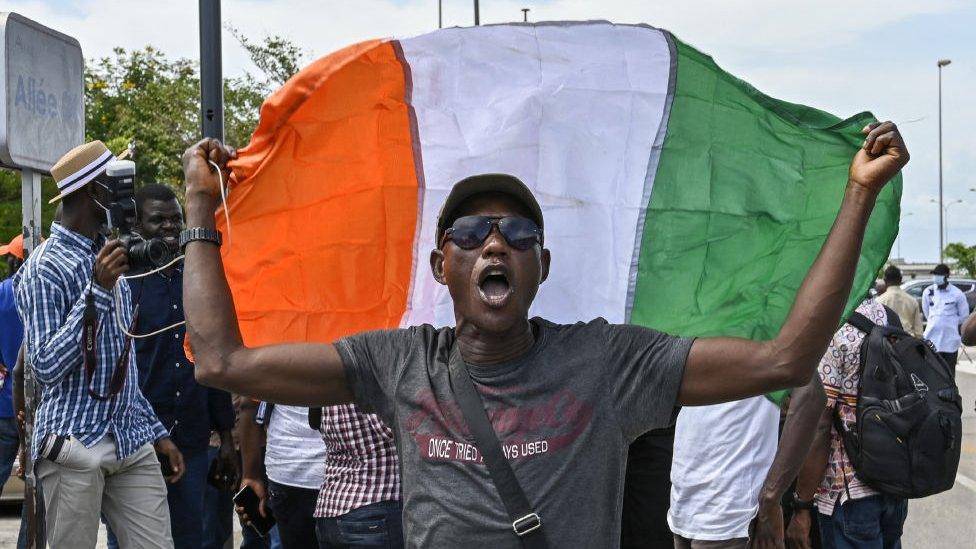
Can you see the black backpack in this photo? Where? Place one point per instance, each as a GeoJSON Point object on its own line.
{"type": "Point", "coordinates": [908, 432]}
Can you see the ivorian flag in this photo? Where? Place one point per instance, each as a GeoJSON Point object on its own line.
{"type": "Point", "coordinates": [675, 195]}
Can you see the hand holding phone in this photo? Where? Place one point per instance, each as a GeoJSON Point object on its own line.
{"type": "Point", "coordinates": [165, 465]}
{"type": "Point", "coordinates": [250, 507]}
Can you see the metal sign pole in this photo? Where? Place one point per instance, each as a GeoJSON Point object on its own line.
{"type": "Point", "coordinates": [30, 208]}
{"type": "Point", "coordinates": [211, 71]}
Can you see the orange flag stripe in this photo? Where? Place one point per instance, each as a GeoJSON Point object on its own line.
{"type": "Point", "coordinates": [325, 196]}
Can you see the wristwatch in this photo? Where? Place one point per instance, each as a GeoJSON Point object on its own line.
{"type": "Point", "coordinates": [199, 233]}
{"type": "Point", "coordinates": [800, 504]}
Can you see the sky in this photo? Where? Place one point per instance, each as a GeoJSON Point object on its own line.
{"type": "Point", "coordinates": [841, 56]}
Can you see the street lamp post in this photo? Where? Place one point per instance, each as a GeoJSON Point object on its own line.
{"type": "Point", "coordinates": [959, 201]}
{"type": "Point", "coordinates": [525, 15]}
{"type": "Point", "coordinates": [440, 14]}
{"type": "Point", "coordinates": [477, 14]}
{"type": "Point", "coordinates": [944, 214]}
{"type": "Point", "coordinates": [941, 63]}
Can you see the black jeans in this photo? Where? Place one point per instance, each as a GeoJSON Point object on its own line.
{"type": "Point", "coordinates": [647, 492]}
{"type": "Point", "coordinates": [375, 525]}
{"type": "Point", "coordinates": [951, 359]}
{"type": "Point", "coordinates": [293, 509]}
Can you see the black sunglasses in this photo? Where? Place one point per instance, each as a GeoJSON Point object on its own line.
{"type": "Point", "coordinates": [470, 232]}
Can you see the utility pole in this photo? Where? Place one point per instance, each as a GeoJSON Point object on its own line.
{"type": "Point", "coordinates": [440, 14]}
{"type": "Point", "coordinates": [941, 63]}
{"type": "Point", "coordinates": [211, 71]}
{"type": "Point", "coordinates": [477, 14]}
{"type": "Point", "coordinates": [525, 15]}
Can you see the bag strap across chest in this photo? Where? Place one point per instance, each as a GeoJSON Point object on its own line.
{"type": "Point", "coordinates": [525, 521]}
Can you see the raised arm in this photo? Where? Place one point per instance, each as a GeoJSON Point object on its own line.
{"type": "Point", "coordinates": [725, 369]}
{"type": "Point", "coordinates": [304, 374]}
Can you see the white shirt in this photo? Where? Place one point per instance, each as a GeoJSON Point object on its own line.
{"type": "Point", "coordinates": [722, 454]}
{"type": "Point", "coordinates": [295, 453]}
{"type": "Point", "coordinates": [945, 310]}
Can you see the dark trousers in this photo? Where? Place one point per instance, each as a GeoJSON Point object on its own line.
{"type": "Point", "coordinates": [377, 525]}
{"type": "Point", "coordinates": [218, 511]}
{"type": "Point", "coordinates": [250, 539]}
{"type": "Point", "coordinates": [951, 359]}
{"type": "Point", "coordinates": [293, 509]}
{"type": "Point", "coordinates": [9, 443]}
{"type": "Point", "coordinates": [873, 522]}
{"type": "Point", "coordinates": [647, 491]}
{"type": "Point", "coordinates": [185, 499]}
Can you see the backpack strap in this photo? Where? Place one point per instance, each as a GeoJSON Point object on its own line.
{"type": "Point", "coordinates": [525, 522]}
{"type": "Point", "coordinates": [861, 322]}
{"type": "Point", "coordinates": [844, 437]}
{"type": "Point", "coordinates": [894, 321]}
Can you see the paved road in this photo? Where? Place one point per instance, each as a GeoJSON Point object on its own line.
{"type": "Point", "coordinates": [10, 525]}
{"type": "Point", "coordinates": [945, 521]}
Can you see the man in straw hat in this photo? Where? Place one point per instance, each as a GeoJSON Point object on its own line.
{"type": "Point", "coordinates": [95, 433]}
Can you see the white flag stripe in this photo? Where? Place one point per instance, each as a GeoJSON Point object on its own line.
{"type": "Point", "coordinates": [573, 111]}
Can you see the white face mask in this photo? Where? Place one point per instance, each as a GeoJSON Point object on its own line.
{"type": "Point", "coordinates": [939, 279]}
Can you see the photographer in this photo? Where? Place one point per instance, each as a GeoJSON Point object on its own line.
{"type": "Point", "coordinates": [190, 411]}
{"type": "Point", "coordinates": [94, 433]}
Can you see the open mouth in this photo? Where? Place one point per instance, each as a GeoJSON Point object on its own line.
{"type": "Point", "coordinates": [494, 287]}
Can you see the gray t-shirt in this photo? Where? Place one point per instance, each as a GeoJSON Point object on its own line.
{"type": "Point", "coordinates": [565, 414]}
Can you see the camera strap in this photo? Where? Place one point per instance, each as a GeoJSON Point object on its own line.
{"type": "Point", "coordinates": [89, 329]}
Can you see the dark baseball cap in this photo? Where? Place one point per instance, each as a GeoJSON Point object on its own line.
{"type": "Point", "coordinates": [941, 269]}
{"type": "Point", "coordinates": [486, 183]}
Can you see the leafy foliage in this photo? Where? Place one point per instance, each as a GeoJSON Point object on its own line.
{"type": "Point", "coordinates": [964, 255]}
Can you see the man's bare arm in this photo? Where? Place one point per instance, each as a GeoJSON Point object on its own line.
{"type": "Point", "coordinates": [303, 374]}
{"type": "Point", "coordinates": [806, 406]}
{"type": "Point", "coordinates": [969, 330]}
{"type": "Point", "coordinates": [725, 369]}
{"type": "Point", "coordinates": [811, 475]}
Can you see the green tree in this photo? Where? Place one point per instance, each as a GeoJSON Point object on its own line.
{"type": "Point", "coordinates": [964, 255]}
{"type": "Point", "coordinates": [277, 57]}
{"type": "Point", "coordinates": [144, 98]}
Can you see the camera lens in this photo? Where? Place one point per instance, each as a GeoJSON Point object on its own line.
{"type": "Point", "coordinates": [147, 253]}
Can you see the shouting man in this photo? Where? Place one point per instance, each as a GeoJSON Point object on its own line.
{"type": "Point", "coordinates": [564, 400]}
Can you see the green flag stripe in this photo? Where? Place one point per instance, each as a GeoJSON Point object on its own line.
{"type": "Point", "coordinates": [746, 190]}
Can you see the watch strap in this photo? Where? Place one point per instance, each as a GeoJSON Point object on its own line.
{"type": "Point", "coordinates": [203, 234]}
{"type": "Point", "coordinates": [801, 504]}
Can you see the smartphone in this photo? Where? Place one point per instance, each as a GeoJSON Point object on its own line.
{"type": "Point", "coordinates": [218, 478]}
{"type": "Point", "coordinates": [247, 499]}
{"type": "Point", "coordinates": [165, 465]}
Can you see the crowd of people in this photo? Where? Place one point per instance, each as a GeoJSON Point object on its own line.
{"type": "Point", "coordinates": [130, 431]}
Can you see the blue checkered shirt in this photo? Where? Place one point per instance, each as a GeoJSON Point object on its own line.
{"type": "Point", "coordinates": [50, 292]}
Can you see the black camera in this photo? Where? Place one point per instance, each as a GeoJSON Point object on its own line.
{"type": "Point", "coordinates": [119, 180]}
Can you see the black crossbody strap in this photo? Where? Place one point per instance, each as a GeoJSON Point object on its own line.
{"type": "Point", "coordinates": [526, 524]}
{"type": "Point", "coordinates": [861, 322]}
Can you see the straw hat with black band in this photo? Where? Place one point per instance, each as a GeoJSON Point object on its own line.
{"type": "Point", "coordinates": [80, 166]}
